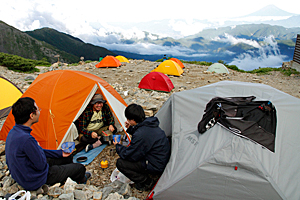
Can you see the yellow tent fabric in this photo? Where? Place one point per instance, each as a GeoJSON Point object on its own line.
{"type": "Point", "coordinates": [122, 59]}
{"type": "Point", "coordinates": [169, 67]}
{"type": "Point", "coordinates": [9, 94]}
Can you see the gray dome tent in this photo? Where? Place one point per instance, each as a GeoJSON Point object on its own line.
{"type": "Point", "coordinates": [221, 165]}
{"type": "Point", "coordinates": [218, 68]}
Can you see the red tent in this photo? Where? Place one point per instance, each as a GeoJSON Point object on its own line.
{"type": "Point", "coordinates": [178, 62]}
{"type": "Point", "coordinates": [156, 81]}
{"type": "Point", "coordinates": [109, 61]}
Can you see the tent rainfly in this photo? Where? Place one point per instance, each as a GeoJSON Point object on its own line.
{"type": "Point", "coordinates": [218, 68]}
{"type": "Point", "coordinates": [63, 95]}
{"type": "Point", "coordinates": [219, 164]}
{"type": "Point", "coordinates": [10, 93]}
{"type": "Point", "coordinates": [169, 67]}
{"type": "Point", "coordinates": [178, 62]}
{"type": "Point", "coordinates": [122, 59]}
{"type": "Point", "coordinates": [156, 81]}
{"type": "Point", "coordinates": [109, 61]}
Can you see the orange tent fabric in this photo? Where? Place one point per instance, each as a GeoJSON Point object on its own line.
{"type": "Point", "coordinates": [178, 62]}
{"type": "Point", "coordinates": [109, 61]}
{"type": "Point", "coordinates": [61, 95]}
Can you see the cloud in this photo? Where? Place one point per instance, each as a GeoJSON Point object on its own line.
{"type": "Point", "coordinates": [268, 55]}
{"type": "Point", "coordinates": [187, 27]}
{"type": "Point", "coordinates": [232, 40]}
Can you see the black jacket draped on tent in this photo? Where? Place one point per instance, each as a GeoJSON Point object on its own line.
{"type": "Point", "coordinates": [255, 120]}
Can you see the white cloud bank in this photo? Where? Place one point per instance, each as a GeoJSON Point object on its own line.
{"type": "Point", "coordinates": [268, 55]}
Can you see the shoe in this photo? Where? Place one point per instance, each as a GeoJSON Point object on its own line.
{"type": "Point", "coordinates": [139, 186]}
{"type": "Point", "coordinates": [145, 186]}
{"type": "Point", "coordinates": [88, 147]}
{"type": "Point", "coordinates": [87, 176]}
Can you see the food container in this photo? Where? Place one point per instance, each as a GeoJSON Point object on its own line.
{"type": "Point", "coordinates": [112, 152]}
{"type": "Point", "coordinates": [104, 164]}
{"type": "Point", "coordinates": [116, 138]}
{"type": "Point", "coordinates": [68, 147]}
{"type": "Point", "coordinates": [107, 138]}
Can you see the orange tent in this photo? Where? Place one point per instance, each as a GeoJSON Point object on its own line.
{"type": "Point", "coordinates": [178, 62]}
{"type": "Point", "coordinates": [109, 61]}
{"type": "Point", "coordinates": [63, 95]}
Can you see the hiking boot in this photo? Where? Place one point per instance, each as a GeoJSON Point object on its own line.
{"type": "Point", "coordinates": [87, 176]}
{"type": "Point", "coordinates": [88, 147]}
{"type": "Point", "coordinates": [145, 186]}
{"type": "Point", "coordinates": [139, 186]}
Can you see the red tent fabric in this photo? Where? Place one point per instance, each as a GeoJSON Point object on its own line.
{"type": "Point", "coordinates": [178, 62]}
{"type": "Point", "coordinates": [156, 81]}
{"type": "Point", "coordinates": [109, 61]}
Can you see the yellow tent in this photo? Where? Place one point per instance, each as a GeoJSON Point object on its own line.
{"type": "Point", "coordinates": [9, 94]}
{"type": "Point", "coordinates": [122, 59]}
{"type": "Point", "coordinates": [169, 67]}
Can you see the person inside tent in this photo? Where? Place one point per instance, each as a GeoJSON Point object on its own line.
{"type": "Point", "coordinates": [96, 118]}
{"type": "Point", "coordinates": [149, 151]}
{"type": "Point", "coordinates": [30, 165]}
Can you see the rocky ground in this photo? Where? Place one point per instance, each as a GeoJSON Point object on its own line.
{"type": "Point", "coordinates": [125, 80]}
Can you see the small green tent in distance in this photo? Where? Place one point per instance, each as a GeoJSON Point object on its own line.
{"type": "Point", "coordinates": [9, 94]}
{"type": "Point", "coordinates": [218, 68]}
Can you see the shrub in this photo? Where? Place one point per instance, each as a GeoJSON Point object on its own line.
{"type": "Point", "coordinates": [17, 63]}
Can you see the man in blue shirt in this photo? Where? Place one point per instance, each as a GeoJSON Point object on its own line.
{"type": "Point", "coordinates": [30, 165]}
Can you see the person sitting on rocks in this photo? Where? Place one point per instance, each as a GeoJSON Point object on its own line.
{"type": "Point", "coordinates": [30, 165]}
{"type": "Point", "coordinates": [149, 151]}
{"type": "Point", "coordinates": [96, 118]}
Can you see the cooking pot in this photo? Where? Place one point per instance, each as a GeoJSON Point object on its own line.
{"type": "Point", "coordinates": [107, 138]}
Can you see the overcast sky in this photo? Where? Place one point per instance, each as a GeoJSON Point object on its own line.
{"type": "Point", "coordinates": [18, 12]}
{"type": "Point", "coordinates": [90, 20]}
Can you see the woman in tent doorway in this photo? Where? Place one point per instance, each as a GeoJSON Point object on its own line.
{"type": "Point", "coordinates": [96, 118]}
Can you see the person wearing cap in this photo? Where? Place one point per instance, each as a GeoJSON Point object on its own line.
{"type": "Point", "coordinates": [96, 118]}
{"type": "Point", "coordinates": [29, 164]}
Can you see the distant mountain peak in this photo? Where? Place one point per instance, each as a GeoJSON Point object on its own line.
{"type": "Point", "coordinates": [270, 10]}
